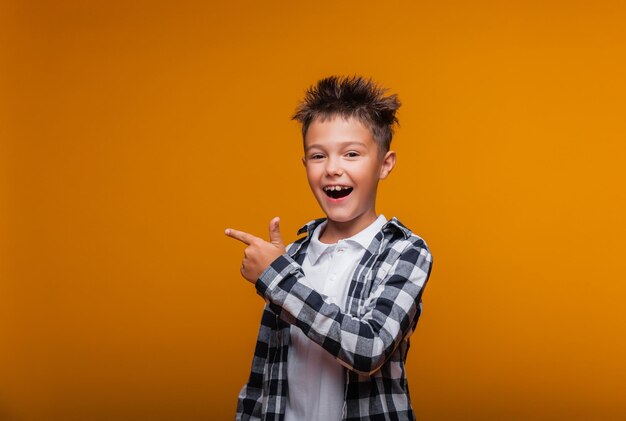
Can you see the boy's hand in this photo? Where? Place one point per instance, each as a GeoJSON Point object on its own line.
{"type": "Point", "coordinates": [259, 253]}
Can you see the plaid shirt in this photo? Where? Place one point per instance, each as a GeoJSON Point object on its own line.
{"type": "Point", "coordinates": [370, 339]}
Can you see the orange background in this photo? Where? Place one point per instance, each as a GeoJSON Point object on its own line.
{"type": "Point", "coordinates": [133, 133]}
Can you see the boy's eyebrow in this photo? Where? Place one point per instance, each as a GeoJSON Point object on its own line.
{"type": "Point", "coordinates": [349, 142]}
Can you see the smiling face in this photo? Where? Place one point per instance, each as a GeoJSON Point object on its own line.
{"type": "Point", "coordinates": [343, 166]}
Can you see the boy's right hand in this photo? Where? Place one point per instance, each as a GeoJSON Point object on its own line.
{"type": "Point", "coordinates": [259, 253]}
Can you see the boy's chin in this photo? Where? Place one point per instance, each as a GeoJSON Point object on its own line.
{"type": "Point", "coordinates": [339, 217]}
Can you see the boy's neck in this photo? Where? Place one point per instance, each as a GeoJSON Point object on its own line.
{"type": "Point", "coordinates": [335, 231]}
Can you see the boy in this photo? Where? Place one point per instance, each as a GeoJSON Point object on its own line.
{"type": "Point", "coordinates": [341, 302]}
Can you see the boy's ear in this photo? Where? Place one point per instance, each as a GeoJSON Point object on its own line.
{"type": "Point", "coordinates": [387, 164]}
{"type": "Point", "coordinates": [303, 161]}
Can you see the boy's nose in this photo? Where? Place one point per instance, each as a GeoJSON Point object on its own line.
{"type": "Point", "coordinates": [333, 167]}
{"type": "Point", "coordinates": [334, 170]}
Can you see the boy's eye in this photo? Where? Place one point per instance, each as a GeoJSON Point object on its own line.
{"type": "Point", "coordinates": [352, 154]}
{"type": "Point", "coordinates": [316, 156]}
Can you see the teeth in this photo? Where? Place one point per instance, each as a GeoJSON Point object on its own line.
{"type": "Point", "coordinates": [331, 188]}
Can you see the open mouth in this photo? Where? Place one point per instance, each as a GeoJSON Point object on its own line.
{"type": "Point", "coordinates": [338, 194]}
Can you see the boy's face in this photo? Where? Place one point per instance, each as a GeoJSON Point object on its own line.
{"type": "Point", "coordinates": [340, 152]}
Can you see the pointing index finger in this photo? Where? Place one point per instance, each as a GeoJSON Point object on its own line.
{"type": "Point", "coordinates": [244, 237]}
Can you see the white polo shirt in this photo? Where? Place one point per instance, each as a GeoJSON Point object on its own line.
{"type": "Point", "coordinates": [315, 377]}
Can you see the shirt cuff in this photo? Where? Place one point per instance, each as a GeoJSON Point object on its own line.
{"type": "Point", "coordinates": [281, 267]}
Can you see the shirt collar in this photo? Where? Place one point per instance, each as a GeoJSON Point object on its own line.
{"type": "Point", "coordinates": [392, 224]}
{"type": "Point", "coordinates": [316, 248]}
{"type": "Point", "coordinates": [361, 239]}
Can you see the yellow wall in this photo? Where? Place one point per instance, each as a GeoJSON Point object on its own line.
{"type": "Point", "coordinates": [134, 133]}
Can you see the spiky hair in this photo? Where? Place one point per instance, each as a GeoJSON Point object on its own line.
{"type": "Point", "coordinates": [351, 96]}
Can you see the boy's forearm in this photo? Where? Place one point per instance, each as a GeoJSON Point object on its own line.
{"type": "Point", "coordinates": [363, 343]}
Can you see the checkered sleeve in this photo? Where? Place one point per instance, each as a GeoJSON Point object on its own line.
{"type": "Point", "coordinates": [363, 343]}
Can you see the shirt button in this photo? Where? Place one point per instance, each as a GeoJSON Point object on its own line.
{"type": "Point", "coordinates": [340, 250]}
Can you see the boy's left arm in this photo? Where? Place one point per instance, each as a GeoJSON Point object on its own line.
{"type": "Point", "coordinates": [362, 344]}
